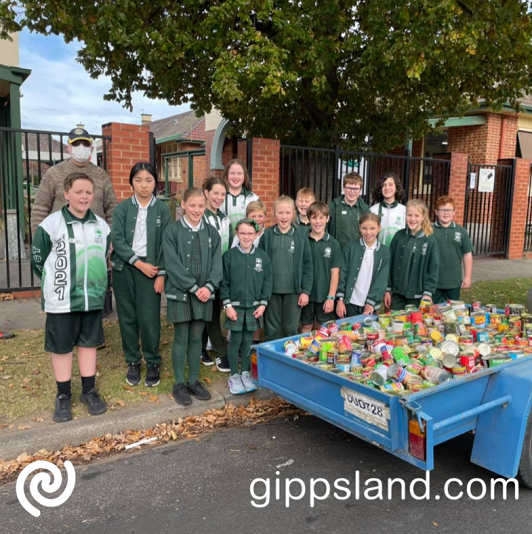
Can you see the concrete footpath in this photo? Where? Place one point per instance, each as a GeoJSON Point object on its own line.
{"type": "Point", "coordinates": [54, 436]}
{"type": "Point", "coordinates": [22, 314]}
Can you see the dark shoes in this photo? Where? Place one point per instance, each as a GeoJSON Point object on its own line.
{"type": "Point", "coordinates": [63, 412]}
{"type": "Point", "coordinates": [94, 402]}
{"type": "Point", "coordinates": [206, 359]}
{"type": "Point", "coordinates": [182, 392]}
{"type": "Point", "coordinates": [181, 395]}
{"type": "Point", "coordinates": [222, 365]}
{"type": "Point", "coordinates": [199, 391]}
{"type": "Point", "coordinates": [133, 374]}
{"type": "Point", "coordinates": [153, 376]}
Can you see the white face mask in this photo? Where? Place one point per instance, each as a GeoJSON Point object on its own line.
{"type": "Point", "coordinates": [81, 153]}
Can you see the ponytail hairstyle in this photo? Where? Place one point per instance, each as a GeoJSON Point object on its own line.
{"type": "Point", "coordinates": [192, 192]}
{"type": "Point", "coordinates": [369, 217]}
{"type": "Point", "coordinates": [209, 183]}
{"type": "Point", "coordinates": [419, 205]}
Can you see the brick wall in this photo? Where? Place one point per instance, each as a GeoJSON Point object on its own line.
{"type": "Point", "coordinates": [457, 182]}
{"type": "Point", "coordinates": [129, 145]}
{"type": "Point", "coordinates": [266, 153]}
{"type": "Point", "coordinates": [519, 209]}
{"type": "Point", "coordinates": [198, 132]}
{"type": "Point", "coordinates": [483, 142]}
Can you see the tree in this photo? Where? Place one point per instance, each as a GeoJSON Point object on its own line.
{"type": "Point", "coordinates": [308, 72]}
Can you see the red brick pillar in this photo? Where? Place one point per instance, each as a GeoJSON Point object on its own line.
{"type": "Point", "coordinates": [265, 173]}
{"type": "Point", "coordinates": [457, 183]}
{"type": "Point", "coordinates": [519, 209]}
{"type": "Point", "coordinates": [130, 143]}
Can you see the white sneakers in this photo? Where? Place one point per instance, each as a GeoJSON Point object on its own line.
{"type": "Point", "coordinates": [240, 384]}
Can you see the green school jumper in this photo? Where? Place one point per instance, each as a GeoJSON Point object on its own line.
{"type": "Point", "coordinates": [326, 256]}
{"type": "Point", "coordinates": [193, 260]}
{"type": "Point", "coordinates": [213, 329]}
{"type": "Point", "coordinates": [353, 255]}
{"type": "Point", "coordinates": [137, 304]}
{"type": "Point", "coordinates": [344, 219]}
{"type": "Point", "coordinates": [246, 285]}
{"type": "Point", "coordinates": [292, 275]}
{"type": "Point", "coordinates": [414, 266]}
{"type": "Point", "coordinates": [453, 242]}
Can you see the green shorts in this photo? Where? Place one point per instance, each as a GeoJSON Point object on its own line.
{"type": "Point", "coordinates": [64, 331]}
{"type": "Point", "coordinates": [313, 312]}
{"type": "Point", "coordinates": [443, 295]}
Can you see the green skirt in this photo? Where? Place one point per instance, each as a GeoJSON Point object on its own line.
{"type": "Point", "coordinates": [193, 310]}
{"type": "Point", "coordinates": [245, 321]}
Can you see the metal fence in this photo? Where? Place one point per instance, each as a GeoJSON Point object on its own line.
{"type": "Point", "coordinates": [25, 156]}
{"type": "Point", "coordinates": [322, 171]}
{"type": "Point", "coordinates": [528, 225]}
{"type": "Point", "coordinates": [488, 206]}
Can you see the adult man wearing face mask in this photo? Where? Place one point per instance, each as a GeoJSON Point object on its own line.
{"type": "Point", "coordinates": [50, 198]}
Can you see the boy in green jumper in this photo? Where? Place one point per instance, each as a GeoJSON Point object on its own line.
{"type": "Point", "coordinates": [364, 272]}
{"type": "Point", "coordinates": [304, 198]}
{"type": "Point", "coordinates": [69, 254]}
{"type": "Point", "coordinates": [289, 252]}
{"type": "Point", "coordinates": [138, 272]}
{"type": "Point", "coordinates": [346, 210]}
{"type": "Point", "coordinates": [455, 245]}
{"type": "Point", "coordinates": [326, 261]}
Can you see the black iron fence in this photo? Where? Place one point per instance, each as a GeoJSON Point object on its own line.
{"type": "Point", "coordinates": [25, 156]}
{"type": "Point", "coordinates": [528, 224]}
{"type": "Point", "coordinates": [488, 207]}
{"type": "Point", "coordinates": [322, 171]}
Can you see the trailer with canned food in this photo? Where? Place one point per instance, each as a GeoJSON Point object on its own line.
{"type": "Point", "coordinates": [410, 380]}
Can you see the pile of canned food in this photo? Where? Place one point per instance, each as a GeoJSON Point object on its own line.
{"type": "Point", "coordinates": [411, 350]}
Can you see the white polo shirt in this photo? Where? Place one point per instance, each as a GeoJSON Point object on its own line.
{"type": "Point", "coordinates": [363, 283]}
{"type": "Point", "coordinates": [140, 237]}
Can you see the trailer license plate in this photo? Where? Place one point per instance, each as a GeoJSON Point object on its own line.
{"type": "Point", "coordinates": [374, 412]}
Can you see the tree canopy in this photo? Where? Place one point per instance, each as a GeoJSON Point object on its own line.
{"type": "Point", "coordinates": [315, 72]}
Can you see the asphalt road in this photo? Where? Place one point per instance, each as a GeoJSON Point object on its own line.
{"type": "Point", "coordinates": [203, 486]}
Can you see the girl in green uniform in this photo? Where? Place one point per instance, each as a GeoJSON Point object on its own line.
{"type": "Point", "coordinates": [414, 260]}
{"type": "Point", "coordinates": [239, 193]}
{"type": "Point", "coordinates": [215, 192]}
{"type": "Point", "coordinates": [245, 291]}
{"type": "Point", "coordinates": [193, 262]}
{"type": "Point", "coordinates": [138, 272]}
{"type": "Point", "coordinates": [364, 272]}
{"type": "Point", "coordinates": [291, 257]}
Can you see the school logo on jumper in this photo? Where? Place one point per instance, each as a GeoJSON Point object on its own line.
{"type": "Point", "coordinates": [98, 234]}
{"type": "Point", "coordinates": [258, 265]}
{"type": "Point", "coordinates": [457, 237]}
{"type": "Point", "coordinates": [292, 247]}
{"type": "Point", "coordinates": [158, 221]}
{"type": "Point", "coordinates": [398, 221]}
{"type": "Point", "coordinates": [424, 249]}
{"type": "Point", "coordinates": [327, 252]}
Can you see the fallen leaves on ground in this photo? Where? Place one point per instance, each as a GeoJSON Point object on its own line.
{"type": "Point", "coordinates": [256, 412]}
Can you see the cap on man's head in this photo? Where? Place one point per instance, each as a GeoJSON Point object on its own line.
{"type": "Point", "coordinates": [79, 134]}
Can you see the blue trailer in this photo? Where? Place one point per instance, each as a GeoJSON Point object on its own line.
{"type": "Point", "coordinates": [494, 403]}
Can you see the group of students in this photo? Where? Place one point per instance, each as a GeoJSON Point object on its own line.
{"type": "Point", "coordinates": [316, 263]}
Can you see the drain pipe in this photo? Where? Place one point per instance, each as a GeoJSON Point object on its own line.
{"type": "Point", "coordinates": [503, 133]}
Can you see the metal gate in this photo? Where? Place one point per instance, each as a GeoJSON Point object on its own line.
{"type": "Point", "coordinates": [322, 171]}
{"type": "Point", "coordinates": [25, 156]}
{"type": "Point", "coordinates": [488, 207]}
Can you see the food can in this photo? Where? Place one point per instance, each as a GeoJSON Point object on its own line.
{"type": "Point", "coordinates": [483, 336]}
{"type": "Point", "coordinates": [459, 370]}
{"type": "Point", "coordinates": [467, 360]}
{"type": "Point", "coordinates": [484, 349]}
{"type": "Point", "coordinates": [476, 305]}
{"type": "Point", "coordinates": [368, 360]}
{"type": "Point", "coordinates": [356, 369]}
{"type": "Point", "coordinates": [436, 353]}
{"type": "Point", "coordinates": [400, 356]}
{"type": "Point", "coordinates": [466, 339]}
{"type": "Point", "coordinates": [332, 327]}
{"type": "Point", "coordinates": [385, 321]}
{"type": "Point", "coordinates": [449, 360]}
{"type": "Point", "coordinates": [416, 317]}
{"type": "Point", "coordinates": [515, 309]}
{"type": "Point", "coordinates": [392, 386]}
{"type": "Point", "coordinates": [290, 347]}
{"type": "Point", "coordinates": [346, 327]}
{"type": "Point", "coordinates": [492, 308]}
{"type": "Point", "coordinates": [332, 355]}
{"type": "Point", "coordinates": [379, 375]}
{"type": "Point", "coordinates": [433, 374]}
{"type": "Point", "coordinates": [436, 336]}
{"type": "Point", "coordinates": [449, 347]}
{"type": "Point", "coordinates": [356, 356]}
{"type": "Point", "coordinates": [344, 344]}
{"type": "Point", "coordinates": [414, 367]}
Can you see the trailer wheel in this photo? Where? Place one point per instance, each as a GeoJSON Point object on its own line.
{"type": "Point", "coordinates": [524, 473]}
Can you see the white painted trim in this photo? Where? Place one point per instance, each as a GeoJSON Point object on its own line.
{"type": "Point", "coordinates": [218, 146]}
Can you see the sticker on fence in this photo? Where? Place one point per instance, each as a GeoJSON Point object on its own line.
{"type": "Point", "coordinates": [486, 180]}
